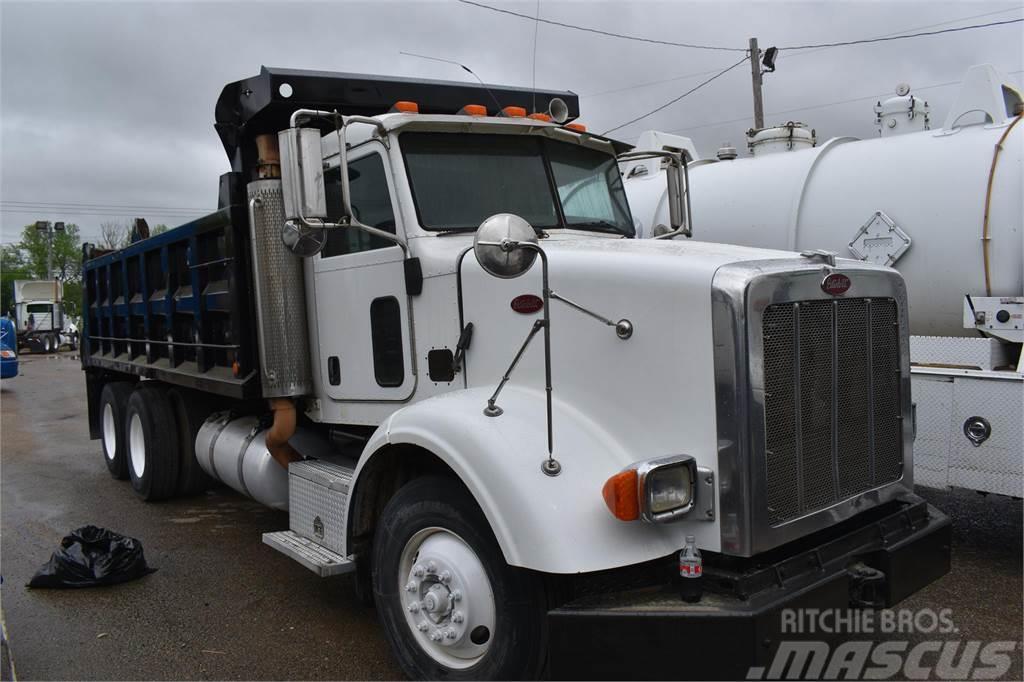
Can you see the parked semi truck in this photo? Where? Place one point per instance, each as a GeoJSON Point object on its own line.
{"type": "Point", "coordinates": [39, 313]}
{"type": "Point", "coordinates": [941, 205]}
{"type": "Point", "coordinates": [420, 323]}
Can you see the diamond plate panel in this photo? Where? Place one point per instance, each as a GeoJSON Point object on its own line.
{"type": "Point", "coordinates": [280, 298]}
{"type": "Point", "coordinates": [934, 399]}
{"type": "Point", "coordinates": [955, 351]}
{"type": "Point", "coordinates": [996, 465]}
{"type": "Point", "coordinates": [315, 510]}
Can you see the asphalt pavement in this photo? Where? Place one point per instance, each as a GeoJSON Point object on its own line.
{"type": "Point", "coordinates": [224, 606]}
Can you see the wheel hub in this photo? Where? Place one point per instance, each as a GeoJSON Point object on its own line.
{"type": "Point", "coordinates": [448, 600]}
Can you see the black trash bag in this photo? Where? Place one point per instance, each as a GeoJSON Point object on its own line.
{"type": "Point", "coordinates": [92, 556]}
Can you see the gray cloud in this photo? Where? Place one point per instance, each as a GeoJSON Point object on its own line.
{"type": "Point", "coordinates": [112, 103]}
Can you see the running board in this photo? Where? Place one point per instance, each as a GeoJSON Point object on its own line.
{"type": "Point", "coordinates": [316, 558]}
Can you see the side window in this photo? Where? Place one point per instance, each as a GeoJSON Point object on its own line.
{"type": "Point", "coordinates": [371, 203]}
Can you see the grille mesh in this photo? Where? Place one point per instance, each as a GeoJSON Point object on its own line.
{"type": "Point", "coordinates": [832, 402]}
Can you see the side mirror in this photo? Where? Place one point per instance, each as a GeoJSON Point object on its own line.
{"type": "Point", "coordinates": [302, 174]}
{"type": "Point", "coordinates": [498, 246]}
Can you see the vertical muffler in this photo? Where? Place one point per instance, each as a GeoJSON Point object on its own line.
{"type": "Point", "coordinates": [234, 452]}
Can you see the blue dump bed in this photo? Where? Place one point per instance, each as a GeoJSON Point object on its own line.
{"type": "Point", "coordinates": [176, 307]}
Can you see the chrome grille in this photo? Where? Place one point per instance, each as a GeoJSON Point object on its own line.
{"type": "Point", "coordinates": [832, 402]}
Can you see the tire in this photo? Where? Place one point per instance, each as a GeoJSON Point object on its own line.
{"type": "Point", "coordinates": [190, 411]}
{"type": "Point", "coordinates": [47, 344]}
{"type": "Point", "coordinates": [113, 403]}
{"type": "Point", "coordinates": [152, 440]}
{"type": "Point", "coordinates": [500, 632]}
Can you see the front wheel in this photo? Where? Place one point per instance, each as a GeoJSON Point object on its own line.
{"type": "Point", "coordinates": [451, 607]}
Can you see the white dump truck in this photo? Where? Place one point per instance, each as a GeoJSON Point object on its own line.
{"type": "Point", "coordinates": [941, 205]}
{"type": "Point", "coordinates": [420, 323]}
{"type": "Point", "coordinates": [42, 323]}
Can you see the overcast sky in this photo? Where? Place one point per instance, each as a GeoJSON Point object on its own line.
{"type": "Point", "coordinates": [111, 104]}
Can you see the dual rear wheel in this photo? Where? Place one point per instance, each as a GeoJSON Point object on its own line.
{"type": "Point", "coordinates": [148, 435]}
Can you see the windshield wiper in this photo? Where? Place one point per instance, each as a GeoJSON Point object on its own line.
{"type": "Point", "coordinates": [597, 226]}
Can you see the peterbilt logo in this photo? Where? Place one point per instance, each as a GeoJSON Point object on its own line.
{"type": "Point", "coordinates": [527, 304]}
{"type": "Point", "coordinates": [836, 284]}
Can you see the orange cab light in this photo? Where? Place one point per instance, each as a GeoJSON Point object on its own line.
{"type": "Point", "coordinates": [473, 110]}
{"type": "Point", "coordinates": [236, 369]}
{"type": "Point", "coordinates": [514, 112]}
{"type": "Point", "coordinates": [578, 127]}
{"type": "Point", "coordinates": [621, 496]}
{"type": "Point", "coordinates": [540, 117]}
{"type": "Point", "coordinates": [406, 107]}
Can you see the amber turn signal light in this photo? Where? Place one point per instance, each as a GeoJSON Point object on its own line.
{"type": "Point", "coordinates": [513, 112]}
{"type": "Point", "coordinates": [621, 495]}
{"type": "Point", "coordinates": [578, 127]}
{"type": "Point", "coordinates": [473, 110]}
{"type": "Point", "coordinates": [406, 107]}
{"type": "Point", "coordinates": [540, 117]}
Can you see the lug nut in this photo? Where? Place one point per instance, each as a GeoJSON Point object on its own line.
{"type": "Point", "coordinates": [435, 636]}
{"type": "Point", "coordinates": [456, 596]}
{"type": "Point", "coordinates": [457, 617]}
{"type": "Point", "coordinates": [446, 576]}
{"type": "Point", "coordinates": [432, 567]}
{"type": "Point", "coordinates": [411, 587]}
{"type": "Point", "coordinates": [417, 571]}
{"type": "Point", "coordinates": [422, 626]}
{"type": "Point", "coordinates": [449, 633]}
{"type": "Point", "coordinates": [414, 607]}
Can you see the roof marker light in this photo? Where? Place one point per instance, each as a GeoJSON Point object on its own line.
{"type": "Point", "coordinates": [473, 110]}
{"type": "Point", "coordinates": [405, 107]}
{"type": "Point", "coordinates": [578, 127]}
{"type": "Point", "coordinates": [540, 117]}
{"type": "Point", "coordinates": [513, 112]}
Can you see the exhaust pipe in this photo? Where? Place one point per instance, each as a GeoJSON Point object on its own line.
{"type": "Point", "coordinates": [281, 431]}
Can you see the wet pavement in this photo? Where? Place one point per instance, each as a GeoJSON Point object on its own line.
{"type": "Point", "coordinates": [224, 606]}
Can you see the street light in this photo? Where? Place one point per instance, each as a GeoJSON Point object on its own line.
{"type": "Point", "coordinates": [45, 227]}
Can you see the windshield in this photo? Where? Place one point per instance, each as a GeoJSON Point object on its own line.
{"type": "Point", "coordinates": [459, 180]}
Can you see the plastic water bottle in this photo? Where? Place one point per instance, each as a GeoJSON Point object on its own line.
{"type": "Point", "coordinates": [691, 568]}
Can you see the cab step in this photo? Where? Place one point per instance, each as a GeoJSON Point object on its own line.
{"type": "Point", "coordinates": [316, 558]}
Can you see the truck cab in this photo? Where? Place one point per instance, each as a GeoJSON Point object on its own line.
{"type": "Point", "coordinates": [416, 323]}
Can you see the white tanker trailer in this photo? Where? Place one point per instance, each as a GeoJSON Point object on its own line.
{"type": "Point", "coordinates": [944, 207]}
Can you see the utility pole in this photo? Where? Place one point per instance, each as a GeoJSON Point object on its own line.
{"type": "Point", "coordinates": [48, 230]}
{"type": "Point", "coordinates": [755, 75]}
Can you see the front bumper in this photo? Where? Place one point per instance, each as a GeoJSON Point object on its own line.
{"type": "Point", "coordinates": [650, 633]}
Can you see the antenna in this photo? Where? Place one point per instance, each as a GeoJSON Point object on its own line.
{"type": "Point", "coordinates": [461, 66]}
{"type": "Point", "coordinates": [536, 27]}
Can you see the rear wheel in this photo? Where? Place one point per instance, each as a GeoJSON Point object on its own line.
{"type": "Point", "coordinates": [190, 411]}
{"type": "Point", "coordinates": [113, 403]}
{"type": "Point", "coordinates": [152, 439]}
{"type": "Point", "coordinates": [451, 607]}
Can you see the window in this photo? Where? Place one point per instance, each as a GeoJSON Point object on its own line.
{"type": "Point", "coordinates": [459, 180]}
{"type": "Point", "coordinates": [371, 204]}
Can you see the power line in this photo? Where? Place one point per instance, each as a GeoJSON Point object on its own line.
{"type": "Point", "coordinates": [639, 86]}
{"type": "Point", "coordinates": [673, 101]}
{"type": "Point", "coordinates": [903, 37]}
{"type": "Point", "coordinates": [610, 34]}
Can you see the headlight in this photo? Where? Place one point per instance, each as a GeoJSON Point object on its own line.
{"type": "Point", "coordinates": [656, 490]}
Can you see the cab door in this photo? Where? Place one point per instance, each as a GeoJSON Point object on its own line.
{"type": "Point", "coordinates": [361, 304]}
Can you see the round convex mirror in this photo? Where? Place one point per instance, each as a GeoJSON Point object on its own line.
{"type": "Point", "coordinates": [497, 245]}
{"type": "Point", "coordinates": [303, 241]}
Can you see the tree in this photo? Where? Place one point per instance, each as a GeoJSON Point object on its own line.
{"type": "Point", "coordinates": [114, 235]}
{"type": "Point", "coordinates": [159, 228]}
{"type": "Point", "coordinates": [12, 267]}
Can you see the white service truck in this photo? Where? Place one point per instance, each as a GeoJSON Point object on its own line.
{"type": "Point", "coordinates": [41, 321]}
{"type": "Point", "coordinates": [943, 206]}
{"type": "Point", "coordinates": [416, 323]}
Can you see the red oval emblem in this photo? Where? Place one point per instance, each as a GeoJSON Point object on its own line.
{"type": "Point", "coordinates": [527, 304]}
{"type": "Point", "coordinates": [836, 284]}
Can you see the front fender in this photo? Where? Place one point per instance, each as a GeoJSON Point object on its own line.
{"type": "Point", "coordinates": [554, 524]}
